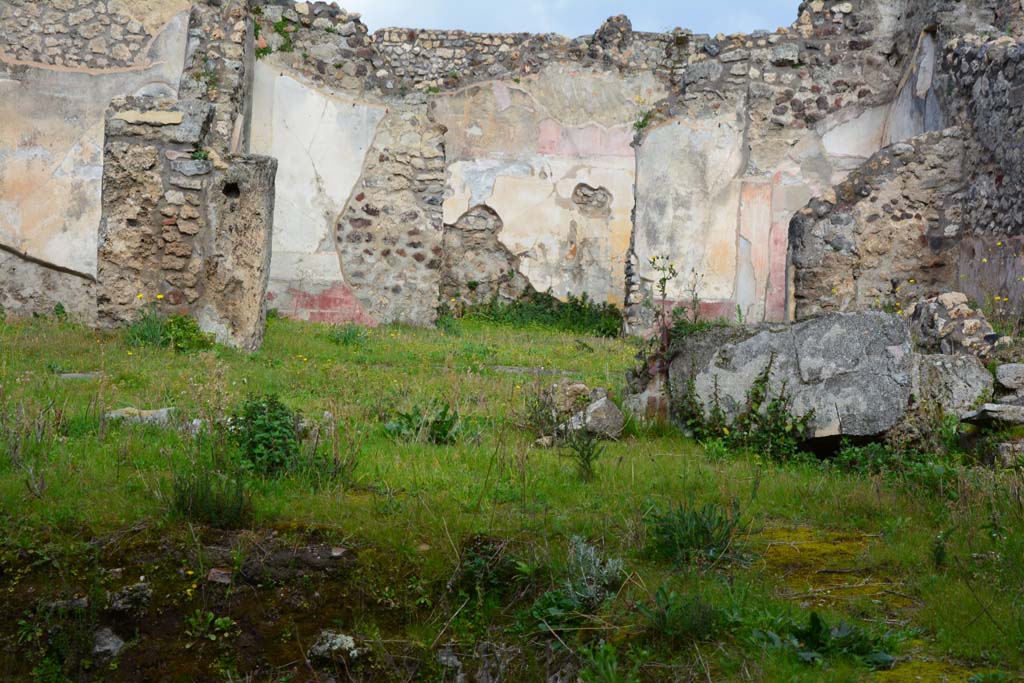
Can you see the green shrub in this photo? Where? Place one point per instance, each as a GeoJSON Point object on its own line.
{"type": "Point", "coordinates": [485, 567]}
{"type": "Point", "coordinates": [266, 431]}
{"type": "Point", "coordinates": [447, 323]}
{"type": "Point", "coordinates": [178, 332]}
{"type": "Point", "coordinates": [579, 315]}
{"type": "Point", "coordinates": [679, 620]}
{"type": "Point", "coordinates": [765, 425]}
{"type": "Point", "coordinates": [202, 494]}
{"type": "Point", "coordinates": [684, 534]}
{"type": "Point", "coordinates": [347, 335]}
{"type": "Point", "coordinates": [584, 447]}
{"type": "Point", "coordinates": [590, 580]}
{"type": "Point", "coordinates": [182, 333]}
{"type": "Point", "coordinates": [148, 330]}
{"type": "Point", "coordinates": [911, 468]}
{"type": "Point", "coordinates": [816, 640]}
{"type": "Point", "coordinates": [439, 424]}
{"type": "Point", "coordinates": [602, 665]}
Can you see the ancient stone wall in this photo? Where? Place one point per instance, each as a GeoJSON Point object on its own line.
{"type": "Point", "coordinates": [784, 173]}
{"type": "Point", "coordinates": [186, 224]}
{"type": "Point", "coordinates": [83, 34]}
{"type": "Point", "coordinates": [104, 211]}
{"type": "Point", "coordinates": [939, 212]}
{"type": "Point", "coordinates": [885, 237]}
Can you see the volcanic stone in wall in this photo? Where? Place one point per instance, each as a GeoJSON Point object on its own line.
{"type": "Point", "coordinates": [887, 237]}
{"type": "Point", "coordinates": [389, 236]}
{"type": "Point", "coordinates": [477, 266]}
{"type": "Point", "coordinates": [180, 232]}
{"type": "Point", "coordinates": [240, 211]}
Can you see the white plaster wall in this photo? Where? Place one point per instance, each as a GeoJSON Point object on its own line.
{"type": "Point", "coordinates": [522, 148]}
{"type": "Point", "coordinates": [320, 139]}
{"type": "Point", "coordinates": [560, 247]}
{"type": "Point", "coordinates": [51, 148]}
{"type": "Point", "coordinates": [688, 199]}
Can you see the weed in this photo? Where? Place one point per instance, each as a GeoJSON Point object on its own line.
{"type": "Point", "coordinates": [679, 620]}
{"type": "Point", "coordinates": [448, 324]}
{"type": "Point", "coordinates": [602, 665]}
{"type": "Point", "coordinates": [281, 29]}
{"type": "Point", "coordinates": [203, 625]}
{"type": "Point", "coordinates": [644, 121]}
{"type": "Point", "coordinates": [815, 641]}
{"type": "Point", "coordinates": [202, 494]}
{"type": "Point", "coordinates": [579, 315]}
{"type": "Point", "coordinates": [200, 154]}
{"type": "Point", "coordinates": [439, 424]}
{"type": "Point", "coordinates": [347, 335]}
{"type": "Point", "coordinates": [540, 415]}
{"type": "Point", "coordinates": [589, 581]}
{"type": "Point", "coordinates": [584, 447]}
{"type": "Point", "coordinates": [683, 534]}
{"type": "Point", "coordinates": [182, 334]}
{"type": "Point", "coordinates": [765, 425]}
{"type": "Point", "coordinates": [485, 567]}
{"type": "Point", "coordinates": [178, 332]}
{"type": "Point", "coordinates": [147, 330]}
{"type": "Point", "coordinates": [990, 677]}
{"type": "Point", "coordinates": [266, 431]}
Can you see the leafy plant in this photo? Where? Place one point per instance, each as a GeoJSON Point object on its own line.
{"type": "Point", "coordinates": [765, 425]}
{"type": "Point", "coordinates": [816, 640]}
{"type": "Point", "coordinates": [579, 314]}
{"type": "Point", "coordinates": [439, 424]}
{"type": "Point", "coordinates": [584, 447]}
{"type": "Point", "coordinates": [266, 431]}
{"type": "Point", "coordinates": [590, 578]}
{"type": "Point", "coordinates": [347, 335]}
{"type": "Point", "coordinates": [683, 534]}
{"type": "Point", "coordinates": [447, 323]}
{"type": "Point", "coordinates": [644, 120]}
{"type": "Point", "coordinates": [202, 494]}
{"type": "Point", "coordinates": [678, 620]}
{"type": "Point", "coordinates": [179, 332]}
{"type": "Point", "coordinates": [602, 665]}
{"type": "Point", "coordinates": [147, 330]}
{"type": "Point", "coordinates": [203, 625]}
{"type": "Point", "coordinates": [540, 414]}
{"type": "Point", "coordinates": [183, 334]}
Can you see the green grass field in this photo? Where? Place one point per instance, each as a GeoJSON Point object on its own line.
{"type": "Point", "coordinates": [464, 549]}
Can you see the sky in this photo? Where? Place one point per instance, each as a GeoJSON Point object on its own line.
{"type": "Point", "coordinates": [575, 18]}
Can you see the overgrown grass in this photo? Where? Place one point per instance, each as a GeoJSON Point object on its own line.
{"type": "Point", "coordinates": [404, 507]}
{"type": "Point", "coordinates": [578, 314]}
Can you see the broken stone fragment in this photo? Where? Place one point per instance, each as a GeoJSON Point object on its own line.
{"type": "Point", "coordinates": [601, 417]}
{"type": "Point", "coordinates": [132, 599]}
{"type": "Point", "coordinates": [995, 413]}
{"type": "Point", "coordinates": [106, 643]}
{"type": "Point", "coordinates": [1011, 376]}
{"type": "Point", "coordinates": [160, 417]}
{"type": "Point", "coordinates": [151, 118]}
{"type": "Point", "coordinates": [221, 576]}
{"type": "Point", "coordinates": [336, 647]}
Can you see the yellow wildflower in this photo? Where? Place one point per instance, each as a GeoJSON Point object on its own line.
{"type": "Point", "coordinates": [138, 296]}
{"type": "Point", "coordinates": [160, 297]}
